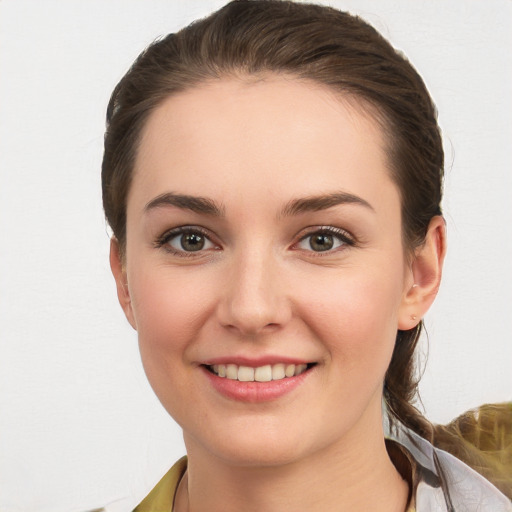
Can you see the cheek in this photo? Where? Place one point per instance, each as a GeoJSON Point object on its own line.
{"type": "Point", "coordinates": [169, 308]}
{"type": "Point", "coordinates": [356, 314]}
{"type": "Point", "coordinates": [170, 311]}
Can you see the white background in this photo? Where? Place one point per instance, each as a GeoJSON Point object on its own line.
{"type": "Point", "coordinates": [79, 426]}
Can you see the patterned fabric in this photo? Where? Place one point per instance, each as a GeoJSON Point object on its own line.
{"type": "Point", "coordinates": [482, 438]}
{"type": "Point", "coordinates": [442, 483]}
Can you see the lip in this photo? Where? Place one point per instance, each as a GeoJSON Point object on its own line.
{"type": "Point", "coordinates": [254, 392]}
{"type": "Point", "coordinates": [254, 362]}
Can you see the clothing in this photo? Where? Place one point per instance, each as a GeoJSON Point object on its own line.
{"type": "Point", "coordinates": [440, 482]}
{"type": "Point", "coordinates": [161, 498]}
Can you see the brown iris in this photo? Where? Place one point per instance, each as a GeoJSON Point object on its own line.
{"type": "Point", "coordinates": [192, 242]}
{"type": "Point", "coordinates": [321, 242]}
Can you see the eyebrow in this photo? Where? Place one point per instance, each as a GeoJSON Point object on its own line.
{"type": "Point", "coordinates": [204, 205]}
{"type": "Point", "coordinates": [322, 202]}
{"type": "Point", "coordinates": [196, 204]}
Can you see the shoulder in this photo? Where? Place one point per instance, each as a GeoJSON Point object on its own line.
{"type": "Point", "coordinates": [161, 497]}
{"type": "Point", "coordinates": [468, 490]}
{"type": "Point", "coordinates": [444, 483]}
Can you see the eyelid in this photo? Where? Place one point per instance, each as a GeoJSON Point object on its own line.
{"type": "Point", "coordinates": [342, 234]}
{"type": "Point", "coordinates": [163, 240]}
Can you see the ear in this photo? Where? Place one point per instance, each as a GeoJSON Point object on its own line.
{"type": "Point", "coordinates": [426, 269]}
{"type": "Point", "coordinates": [119, 271]}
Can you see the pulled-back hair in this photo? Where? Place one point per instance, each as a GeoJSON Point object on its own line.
{"type": "Point", "coordinates": [310, 42]}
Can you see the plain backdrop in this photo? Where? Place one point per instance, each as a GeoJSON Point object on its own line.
{"type": "Point", "coordinates": [79, 426]}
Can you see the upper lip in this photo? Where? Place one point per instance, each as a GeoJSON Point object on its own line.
{"type": "Point", "coordinates": [255, 362]}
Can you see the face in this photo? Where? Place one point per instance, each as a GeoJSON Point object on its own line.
{"type": "Point", "coordinates": [265, 271]}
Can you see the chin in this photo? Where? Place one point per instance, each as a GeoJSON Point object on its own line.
{"type": "Point", "coordinates": [258, 454]}
{"type": "Point", "coordinates": [261, 443]}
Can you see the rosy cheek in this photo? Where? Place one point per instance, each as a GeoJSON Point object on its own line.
{"type": "Point", "coordinates": [169, 309]}
{"type": "Point", "coordinates": [353, 310]}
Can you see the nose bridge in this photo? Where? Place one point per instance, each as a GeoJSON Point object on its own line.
{"type": "Point", "coordinates": [254, 300]}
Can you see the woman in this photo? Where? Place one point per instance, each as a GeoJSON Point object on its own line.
{"type": "Point", "coordinates": [272, 175]}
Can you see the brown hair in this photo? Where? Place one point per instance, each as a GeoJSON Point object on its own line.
{"type": "Point", "coordinates": [310, 42]}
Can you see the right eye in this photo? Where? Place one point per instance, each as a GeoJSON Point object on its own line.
{"type": "Point", "coordinates": [185, 240]}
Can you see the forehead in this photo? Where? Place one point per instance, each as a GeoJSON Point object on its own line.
{"type": "Point", "coordinates": [292, 136]}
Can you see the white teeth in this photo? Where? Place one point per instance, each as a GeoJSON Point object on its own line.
{"type": "Point", "coordinates": [300, 368]}
{"type": "Point", "coordinates": [278, 372]}
{"type": "Point", "coordinates": [245, 374]}
{"type": "Point", "coordinates": [232, 371]}
{"type": "Point", "coordinates": [265, 373]}
{"type": "Point", "coordinates": [289, 371]}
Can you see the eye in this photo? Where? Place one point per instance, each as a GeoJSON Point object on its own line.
{"type": "Point", "coordinates": [190, 242]}
{"type": "Point", "coordinates": [324, 240]}
{"type": "Point", "coordinates": [185, 240]}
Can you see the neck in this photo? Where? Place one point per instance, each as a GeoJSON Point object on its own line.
{"type": "Point", "coordinates": [349, 475]}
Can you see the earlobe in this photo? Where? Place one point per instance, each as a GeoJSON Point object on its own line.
{"type": "Point", "coordinates": [426, 267]}
{"type": "Point", "coordinates": [119, 272]}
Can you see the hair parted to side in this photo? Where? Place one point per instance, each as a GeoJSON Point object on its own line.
{"type": "Point", "coordinates": [310, 42]}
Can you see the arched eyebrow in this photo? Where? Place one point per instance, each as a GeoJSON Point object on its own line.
{"type": "Point", "coordinates": [322, 202]}
{"type": "Point", "coordinates": [206, 206]}
{"type": "Point", "coordinates": [196, 204]}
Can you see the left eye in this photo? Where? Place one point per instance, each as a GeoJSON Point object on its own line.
{"type": "Point", "coordinates": [190, 241]}
{"type": "Point", "coordinates": [322, 242]}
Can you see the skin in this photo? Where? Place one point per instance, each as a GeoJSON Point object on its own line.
{"type": "Point", "coordinates": [258, 288]}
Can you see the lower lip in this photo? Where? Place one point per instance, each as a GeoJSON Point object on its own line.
{"type": "Point", "coordinates": [255, 392]}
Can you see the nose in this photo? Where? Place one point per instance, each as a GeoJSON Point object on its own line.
{"type": "Point", "coordinates": [254, 299]}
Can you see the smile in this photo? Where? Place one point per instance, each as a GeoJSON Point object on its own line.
{"type": "Point", "coordinates": [264, 373]}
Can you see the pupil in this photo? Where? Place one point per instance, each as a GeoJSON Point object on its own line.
{"type": "Point", "coordinates": [321, 242]}
{"type": "Point", "coordinates": [192, 242]}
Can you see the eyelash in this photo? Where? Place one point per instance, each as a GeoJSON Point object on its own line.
{"type": "Point", "coordinates": [163, 241]}
{"type": "Point", "coordinates": [343, 236]}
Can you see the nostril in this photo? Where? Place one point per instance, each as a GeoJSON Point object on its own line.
{"type": "Point", "coordinates": [253, 304]}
